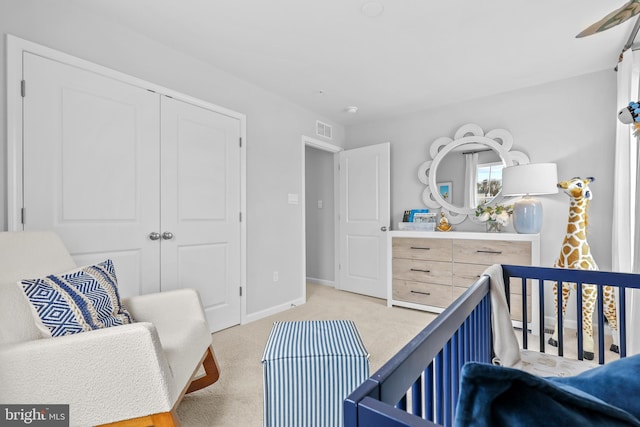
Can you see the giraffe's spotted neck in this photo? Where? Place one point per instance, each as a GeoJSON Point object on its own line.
{"type": "Point", "coordinates": [578, 219]}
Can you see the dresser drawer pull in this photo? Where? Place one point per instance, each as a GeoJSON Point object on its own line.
{"type": "Point", "coordinates": [422, 249]}
{"type": "Point", "coordinates": [421, 293]}
{"type": "Point", "coordinates": [490, 252]}
{"type": "Point", "coordinates": [423, 271]}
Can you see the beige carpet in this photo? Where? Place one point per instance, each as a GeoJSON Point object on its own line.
{"type": "Point", "coordinates": [236, 399]}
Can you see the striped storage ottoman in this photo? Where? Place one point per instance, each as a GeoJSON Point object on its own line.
{"type": "Point", "coordinates": [309, 368]}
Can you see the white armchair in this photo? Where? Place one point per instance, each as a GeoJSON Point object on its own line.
{"type": "Point", "coordinates": [133, 375]}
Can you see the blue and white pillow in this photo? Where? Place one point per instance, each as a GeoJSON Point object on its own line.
{"type": "Point", "coordinates": [80, 300]}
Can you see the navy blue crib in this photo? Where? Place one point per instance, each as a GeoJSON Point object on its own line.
{"type": "Point", "coordinates": [419, 385]}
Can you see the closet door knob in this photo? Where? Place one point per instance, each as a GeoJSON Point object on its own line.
{"type": "Point", "coordinates": [154, 236]}
{"type": "Point", "coordinates": [167, 235]}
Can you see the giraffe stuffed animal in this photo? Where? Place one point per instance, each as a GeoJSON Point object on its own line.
{"type": "Point", "coordinates": [576, 253]}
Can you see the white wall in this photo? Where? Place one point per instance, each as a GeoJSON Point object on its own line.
{"type": "Point", "coordinates": [569, 122]}
{"type": "Point", "coordinates": [320, 221]}
{"type": "Point", "coordinates": [274, 129]}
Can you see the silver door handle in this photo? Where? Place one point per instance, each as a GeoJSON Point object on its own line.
{"type": "Point", "coordinates": [167, 235]}
{"type": "Point", "coordinates": [154, 236]}
{"type": "Point", "coordinates": [383, 228]}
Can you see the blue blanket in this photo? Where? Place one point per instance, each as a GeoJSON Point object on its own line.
{"type": "Point", "coordinates": [608, 395]}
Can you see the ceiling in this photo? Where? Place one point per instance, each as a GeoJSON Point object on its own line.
{"type": "Point", "coordinates": [326, 55]}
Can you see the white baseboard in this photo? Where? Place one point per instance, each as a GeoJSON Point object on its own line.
{"type": "Point", "coordinates": [273, 310]}
{"type": "Point", "coordinates": [321, 281]}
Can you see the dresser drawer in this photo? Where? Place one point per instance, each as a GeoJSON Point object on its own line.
{"type": "Point", "coordinates": [465, 275]}
{"type": "Point", "coordinates": [422, 248]}
{"type": "Point", "coordinates": [422, 271]}
{"type": "Point", "coordinates": [489, 252]}
{"type": "Point", "coordinates": [431, 294]}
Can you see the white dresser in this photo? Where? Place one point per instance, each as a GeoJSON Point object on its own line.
{"type": "Point", "coordinates": [428, 270]}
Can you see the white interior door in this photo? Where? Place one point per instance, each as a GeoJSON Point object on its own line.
{"type": "Point", "coordinates": [91, 168]}
{"type": "Point", "coordinates": [201, 207]}
{"type": "Point", "coordinates": [364, 219]}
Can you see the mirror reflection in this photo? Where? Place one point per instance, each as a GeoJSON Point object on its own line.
{"type": "Point", "coordinates": [475, 173]}
{"type": "Point", "coordinates": [488, 182]}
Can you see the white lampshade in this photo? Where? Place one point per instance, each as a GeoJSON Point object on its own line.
{"type": "Point", "coordinates": [528, 180]}
{"type": "Point", "coordinates": [532, 179]}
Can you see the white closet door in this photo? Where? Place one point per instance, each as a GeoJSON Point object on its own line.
{"type": "Point", "coordinates": [201, 206]}
{"type": "Point", "coordinates": [91, 168]}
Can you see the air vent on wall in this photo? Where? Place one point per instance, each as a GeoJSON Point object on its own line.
{"type": "Point", "coordinates": [324, 129]}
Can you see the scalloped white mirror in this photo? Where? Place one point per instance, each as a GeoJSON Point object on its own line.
{"type": "Point", "coordinates": [468, 139]}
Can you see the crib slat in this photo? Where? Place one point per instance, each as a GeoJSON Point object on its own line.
{"type": "Point", "coordinates": [486, 331]}
{"type": "Point", "coordinates": [455, 370]}
{"type": "Point", "coordinates": [541, 314]}
{"type": "Point", "coordinates": [579, 320]}
{"type": "Point", "coordinates": [447, 384]}
{"type": "Point", "coordinates": [467, 341]}
{"type": "Point", "coordinates": [428, 392]}
{"type": "Point", "coordinates": [600, 303]}
{"type": "Point", "coordinates": [416, 398]}
{"type": "Point", "coordinates": [525, 342]}
{"type": "Point", "coordinates": [560, 327]}
{"type": "Point", "coordinates": [472, 339]}
{"type": "Point", "coordinates": [481, 330]}
{"type": "Point", "coordinates": [488, 336]}
{"type": "Point", "coordinates": [439, 387]}
{"type": "Point", "coordinates": [622, 323]}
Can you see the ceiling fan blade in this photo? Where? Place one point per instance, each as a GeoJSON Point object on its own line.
{"type": "Point", "coordinates": [616, 17]}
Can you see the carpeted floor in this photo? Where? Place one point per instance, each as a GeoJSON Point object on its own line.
{"type": "Point", "coordinates": [236, 399]}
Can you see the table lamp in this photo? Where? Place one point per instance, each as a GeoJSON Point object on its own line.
{"type": "Point", "coordinates": [529, 180]}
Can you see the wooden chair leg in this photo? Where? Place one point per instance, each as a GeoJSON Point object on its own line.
{"type": "Point", "coordinates": [211, 369]}
{"type": "Point", "coordinates": [164, 419]}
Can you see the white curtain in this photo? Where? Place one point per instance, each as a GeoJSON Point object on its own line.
{"type": "Point", "coordinates": [626, 227]}
{"type": "Point", "coordinates": [471, 180]}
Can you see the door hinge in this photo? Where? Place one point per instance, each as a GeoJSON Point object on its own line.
{"type": "Point", "coordinates": [240, 142]}
{"type": "Point", "coordinates": [23, 88]}
{"type": "Point", "coordinates": [22, 215]}
{"type": "Point", "coordinates": [240, 290]}
{"type": "Point", "coordinates": [240, 216]}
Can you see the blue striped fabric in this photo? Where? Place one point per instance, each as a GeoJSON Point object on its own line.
{"type": "Point", "coordinates": [309, 368]}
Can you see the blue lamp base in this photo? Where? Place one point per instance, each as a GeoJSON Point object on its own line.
{"type": "Point", "coordinates": [527, 215]}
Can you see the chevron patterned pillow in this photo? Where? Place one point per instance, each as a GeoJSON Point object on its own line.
{"type": "Point", "coordinates": [76, 301]}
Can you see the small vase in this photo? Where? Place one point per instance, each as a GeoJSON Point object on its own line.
{"type": "Point", "coordinates": [493, 227]}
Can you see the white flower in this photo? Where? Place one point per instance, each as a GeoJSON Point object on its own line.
{"type": "Point", "coordinates": [503, 218]}
{"type": "Point", "coordinates": [484, 217]}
